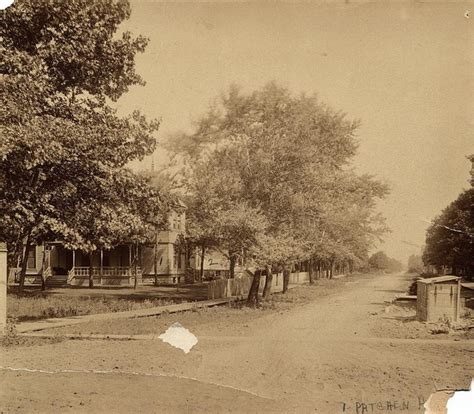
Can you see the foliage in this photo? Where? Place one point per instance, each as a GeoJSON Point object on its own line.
{"type": "Point", "coordinates": [237, 229]}
{"type": "Point", "coordinates": [287, 158]}
{"type": "Point", "coordinates": [76, 43]}
{"type": "Point", "coordinates": [380, 261]}
{"type": "Point", "coordinates": [415, 264]}
{"type": "Point", "coordinates": [64, 153]}
{"type": "Point", "coordinates": [450, 238]}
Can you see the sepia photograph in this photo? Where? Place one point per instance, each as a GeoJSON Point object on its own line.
{"type": "Point", "coordinates": [237, 206]}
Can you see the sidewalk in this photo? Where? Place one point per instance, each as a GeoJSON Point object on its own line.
{"type": "Point", "coordinates": [40, 325]}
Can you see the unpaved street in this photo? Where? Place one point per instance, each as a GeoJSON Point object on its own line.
{"type": "Point", "coordinates": [326, 356]}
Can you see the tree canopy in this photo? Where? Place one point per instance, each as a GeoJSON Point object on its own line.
{"type": "Point", "coordinates": [285, 158]}
{"type": "Point", "coordinates": [450, 238]}
{"type": "Point", "coordinates": [380, 261]}
{"type": "Point", "coordinates": [64, 149]}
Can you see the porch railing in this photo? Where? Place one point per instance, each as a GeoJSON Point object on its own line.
{"type": "Point", "coordinates": [105, 272]}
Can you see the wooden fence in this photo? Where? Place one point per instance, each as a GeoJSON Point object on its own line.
{"type": "Point", "coordinates": [225, 288]}
{"type": "Point", "coordinates": [240, 286]}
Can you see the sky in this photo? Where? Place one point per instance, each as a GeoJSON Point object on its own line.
{"type": "Point", "coordinates": [405, 69]}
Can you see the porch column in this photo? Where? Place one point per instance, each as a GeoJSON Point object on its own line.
{"type": "Point", "coordinates": [73, 258]}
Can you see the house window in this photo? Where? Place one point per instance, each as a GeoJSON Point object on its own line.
{"type": "Point", "coordinates": [31, 262]}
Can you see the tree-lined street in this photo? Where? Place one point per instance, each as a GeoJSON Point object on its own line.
{"type": "Point", "coordinates": [313, 358]}
{"type": "Point", "coordinates": [264, 190]}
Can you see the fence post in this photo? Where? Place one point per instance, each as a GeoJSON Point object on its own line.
{"type": "Point", "coordinates": [3, 288]}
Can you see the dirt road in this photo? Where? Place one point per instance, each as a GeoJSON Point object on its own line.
{"type": "Point", "coordinates": [320, 357]}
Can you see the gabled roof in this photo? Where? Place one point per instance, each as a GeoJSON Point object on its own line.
{"type": "Point", "coordinates": [439, 279]}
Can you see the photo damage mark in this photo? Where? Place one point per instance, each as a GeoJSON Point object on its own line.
{"type": "Point", "coordinates": [179, 337]}
{"type": "Point", "coordinates": [462, 401]}
{"type": "Point", "coordinates": [449, 401]}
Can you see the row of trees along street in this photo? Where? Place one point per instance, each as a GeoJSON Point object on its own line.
{"type": "Point", "coordinates": [266, 176]}
{"type": "Point", "coordinates": [64, 150]}
{"type": "Point", "coordinates": [380, 261]}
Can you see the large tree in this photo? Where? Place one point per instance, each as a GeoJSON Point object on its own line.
{"type": "Point", "coordinates": [450, 238]}
{"type": "Point", "coordinates": [64, 150]}
{"type": "Point", "coordinates": [286, 156]}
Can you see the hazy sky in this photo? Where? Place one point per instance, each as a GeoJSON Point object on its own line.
{"type": "Point", "coordinates": [405, 69]}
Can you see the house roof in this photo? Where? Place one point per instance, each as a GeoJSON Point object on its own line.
{"type": "Point", "coordinates": [439, 279]}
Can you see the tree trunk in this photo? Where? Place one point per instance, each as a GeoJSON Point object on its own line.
{"type": "Point", "coordinates": [155, 261]}
{"type": "Point", "coordinates": [286, 278]}
{"type": "Point", "coordinates": [203, 256]}
{"type": "Point", "coordinates": [43, 265]}
{"type": "Point", "coordinates": [232, 262]}
{"type": "Point", "coordinates": [24, 262]}
{"type": "Point", "coordinates": [310, 271]}
{"type": "Point", "coordinates": [331, 269]}
{"type": "Point", "coordinates": [267, 289]}
{"type": "Point", "coordinates": [135, 266]}
{"type": "Point", "coordinates": [91, 276]}
{"type": "Point", "coordinates": [252, 298]}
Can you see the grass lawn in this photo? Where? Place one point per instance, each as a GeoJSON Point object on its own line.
{"type": "Point", "coordinates": [34, 304]}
